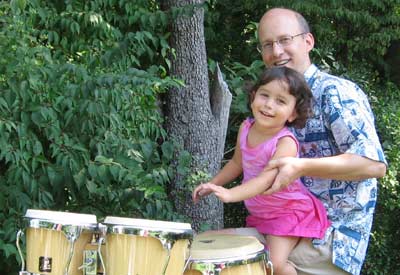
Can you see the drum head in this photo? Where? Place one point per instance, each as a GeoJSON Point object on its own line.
{"type": "Point", "coordinates": [223, 246]}
{"type": "Point", "coordinates": [61, 217]}
{"type": "Point", "coordinates": [152, 225]}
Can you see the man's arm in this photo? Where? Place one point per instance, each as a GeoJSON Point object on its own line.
{"type": "Point", "coordinates": [345, 108]}
{"type": "Point", "coordinates": [343, 167]}
{"type": "Point", "coordinates": [340, 167]}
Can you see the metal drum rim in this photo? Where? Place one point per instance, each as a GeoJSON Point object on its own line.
{"type": "Point", "coordinates": [144, 224]}
{"type": "Point", "coordinates": [55, 217]}
{"type": "Point", "coordinates": [256, 256]}
{"type": "Point", "coordinates": [217, 264]}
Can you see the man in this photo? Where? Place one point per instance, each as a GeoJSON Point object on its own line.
{"type": "Point", "coordinates": [341, 156]}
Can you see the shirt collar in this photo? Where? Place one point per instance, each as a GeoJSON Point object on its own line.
{"type": "Point", "coordinates": [310, 72]}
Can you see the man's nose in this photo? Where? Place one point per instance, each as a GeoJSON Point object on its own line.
{"type": "Point", "coordinates": [277, 49]}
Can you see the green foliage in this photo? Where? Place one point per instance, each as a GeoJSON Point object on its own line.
{"type": "Point", "coordinates": [197, 178]}
{"type": "Point", "coordinates": [80, 125]}
{"type": "Point", "coordinates": [229, 30]}
{"type": "Point", "coordinates": [382, 257]}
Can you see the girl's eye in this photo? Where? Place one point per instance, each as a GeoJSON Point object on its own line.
{"type": "Point", "coordinates": [281, 101]}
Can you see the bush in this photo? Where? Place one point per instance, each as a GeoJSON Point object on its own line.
{"type": "Point", "coordinates": [80, 124]}
{"type": "Point", "coordinates": [383, 257]}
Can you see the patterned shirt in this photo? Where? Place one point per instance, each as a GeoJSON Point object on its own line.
{"type": "Point", "coordinates": [342, 122]}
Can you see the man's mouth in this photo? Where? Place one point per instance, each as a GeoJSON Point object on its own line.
{"type": "Point", "coordinates": [282, 62]}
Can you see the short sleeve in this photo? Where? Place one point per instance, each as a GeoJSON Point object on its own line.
{"type": "Point", "coordinates": [349, 116]}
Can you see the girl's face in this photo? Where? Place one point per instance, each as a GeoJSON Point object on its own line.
{"type": "Point", "coordinates": [273, 105]}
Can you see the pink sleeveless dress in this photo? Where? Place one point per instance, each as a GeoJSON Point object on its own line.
{"type": "Point", "coordinates": [293, 211]}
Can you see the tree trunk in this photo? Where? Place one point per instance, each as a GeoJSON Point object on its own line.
{"type": "Point", "coordinates": [195, 116]}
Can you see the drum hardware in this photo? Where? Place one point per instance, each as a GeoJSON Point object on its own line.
{"type": "Point", "coordinates": [22, 272]}
{"type": "Point", "coordinates": [92, 256]}
{"type": "Point", "coordinates": [268, 263]}
{"type": "Point", "coordinates": [187, 262]}
{"type": "Point", "coordinates": [90, 263]}
{"type": "Point", "coordinates": [216, 266]}
{"type": "Point", "coordinates": [101, 241]}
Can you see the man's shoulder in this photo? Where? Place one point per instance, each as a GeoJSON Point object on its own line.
{"type": "Point", "coordinates": [327, 78]}
{"type": "Point", "coordinates": [327, 83]}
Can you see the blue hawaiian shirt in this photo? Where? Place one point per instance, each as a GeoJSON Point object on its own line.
{"type": "Point", "coordinates": [342, 122]}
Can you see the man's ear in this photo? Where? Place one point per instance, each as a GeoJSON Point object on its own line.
{"type": "Point", "coordinates": [309, 41]}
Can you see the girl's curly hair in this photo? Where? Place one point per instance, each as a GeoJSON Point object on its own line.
{"type": "Point", "coordinates": [298, 87]}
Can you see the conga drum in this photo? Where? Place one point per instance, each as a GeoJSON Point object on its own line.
{"type": "Point", "coordinates": [222, 254]}
{"type": "Point", "coordinates": [55, 241]}
{"type": "Point", "coordinates": [146, 247]}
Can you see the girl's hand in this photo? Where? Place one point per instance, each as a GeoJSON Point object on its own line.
{"type": "Point", "coordinates": [200, 191]}
{"type": "Point", "coordinates": [222, 193]}
{"type": "Point", "coordinates": [207, 188]}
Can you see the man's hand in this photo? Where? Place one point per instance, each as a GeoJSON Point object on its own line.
{"type": "Point", "coordinates": [289, 169]}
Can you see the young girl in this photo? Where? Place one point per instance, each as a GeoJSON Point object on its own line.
{"type": "Point", "coordinates": [281, 98]}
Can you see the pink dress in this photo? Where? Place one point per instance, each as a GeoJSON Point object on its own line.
{"type": "Point", "coordinates": [293, 211]}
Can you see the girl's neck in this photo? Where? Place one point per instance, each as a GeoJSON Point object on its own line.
{"type": "Point", "coordinates": [259, 134]}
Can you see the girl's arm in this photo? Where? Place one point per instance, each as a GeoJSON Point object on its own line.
{"type": "Point", "coordinates": [286, 147]}
{"type": "Point", "coordinates": [228, 173]}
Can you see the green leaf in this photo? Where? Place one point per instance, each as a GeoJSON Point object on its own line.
{"type": "Point", "coordinates": [91, 186]}
{"type": "Point", "coordinates": [168, 150]}
{"type": "Point", "coordinates": [80, 178]}
{"type": "Point", "coordinates": [37, 148]}
{"type": "Point", "coordinates": [9, 250]}
{"type": "Point", "coordinates": [46, 199]}
{"type": "Point", "coordinates": [104, 160]}
{"type": "Point", "coordinates": [18, 5]}
{"type": "Point", "coordinates": [92, 169]}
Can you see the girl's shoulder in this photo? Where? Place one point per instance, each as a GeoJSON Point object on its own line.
{"type": "Point", "coordinates": [286, 139]}
{"type": "Point", "coordinates": [246, 125]}
{"type": "Point", "coordinates": [285, 132]}
{"type": "Point", "coordinates": [248, 122]}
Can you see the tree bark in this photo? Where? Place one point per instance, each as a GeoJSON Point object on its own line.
{"type": "Point", "coordinates": [195, 116]}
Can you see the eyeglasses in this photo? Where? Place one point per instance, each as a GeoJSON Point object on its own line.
{"type": "Point", "coordinates": [283, 41]}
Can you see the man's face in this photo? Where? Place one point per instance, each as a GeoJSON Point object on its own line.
{"type": "Point", "coordinates": [280, 25]}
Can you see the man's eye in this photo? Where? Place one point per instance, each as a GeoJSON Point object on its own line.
{"type": "Point", "coordinates": [284, 40]}
{"type": "Point", "coordinates": [267, 45]}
